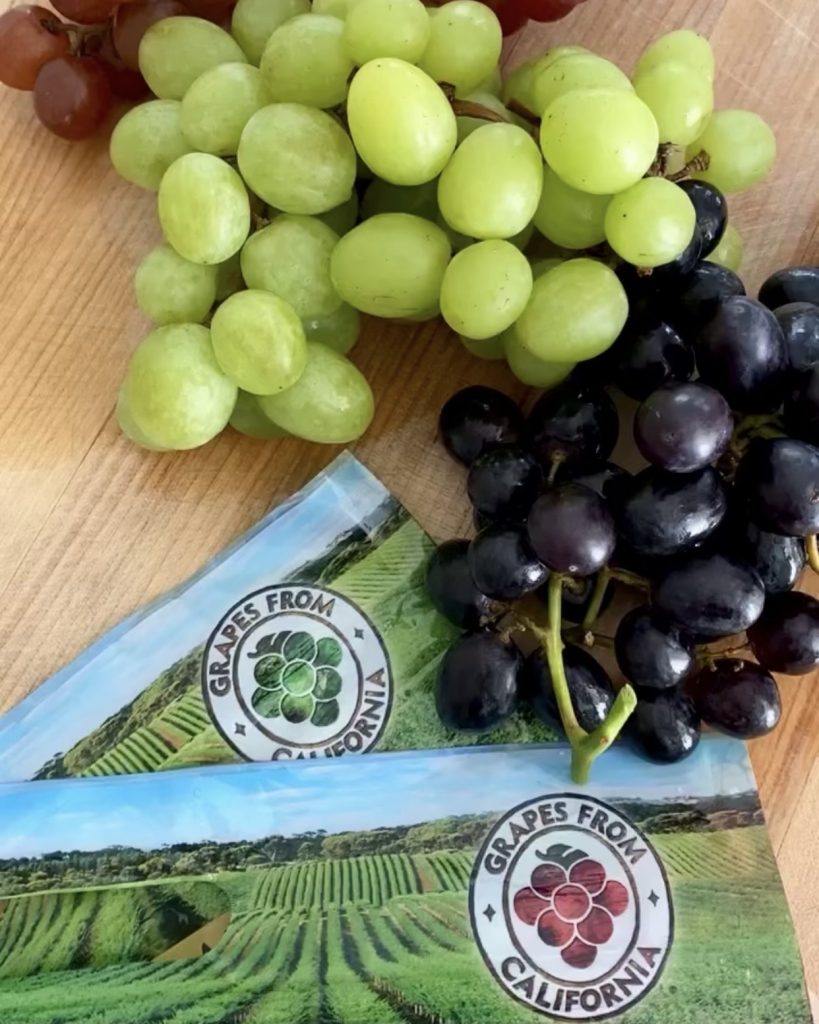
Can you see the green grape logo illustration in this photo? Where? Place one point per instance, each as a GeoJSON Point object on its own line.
{"type": "Point", "coordinates": [297, 678]}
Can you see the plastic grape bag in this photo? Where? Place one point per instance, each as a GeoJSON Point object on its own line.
{"type": "Point", "coordinates": [469, 887]}
{"type": "Point", "coordinates": [312, 637]}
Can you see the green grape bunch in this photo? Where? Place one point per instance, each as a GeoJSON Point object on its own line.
{"type": "Point", "coordinates": [297, 678]}
{"type": "Point", "coordinates": [314, 163]}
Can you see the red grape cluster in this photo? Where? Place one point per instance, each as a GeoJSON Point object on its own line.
{"type": "Point", "coordinates": [715, 531]}
{"type": "Point", "coordinates": [513, 14]}
{"type": "Point", "coordinates": [79, 58]}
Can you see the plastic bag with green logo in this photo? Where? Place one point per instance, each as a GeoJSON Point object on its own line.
{"type": "Point", "coordinates": [312, 637]}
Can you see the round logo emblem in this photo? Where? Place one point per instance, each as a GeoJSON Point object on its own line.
{"type": "Point", "coordinates": [297, 672]}
{"type": "Point", "coordinates": [571, 908]}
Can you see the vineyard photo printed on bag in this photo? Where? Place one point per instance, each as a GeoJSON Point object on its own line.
{"type": "Point", "coordinates": [274, 894]}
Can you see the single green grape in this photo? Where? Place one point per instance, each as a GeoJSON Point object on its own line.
{"type": "Point", "coordinates": [492, 85]}
{"type": "Point", "coordinates": [203, 208]}
{"type": "Point", "coordinates": [680, 98]}
{"type": "Point", "coordinates": [337, 8]}
{"type": "Point", "coordinates": [464, 46]}
{"type": "Point", "coordinates": [684, 46]}
{"type": "Point", "coordinates": [382, 197]}
{"type": "Point", "coordinates": [457, 241]}
{"type": "Point", "coordinates": [576, 71]}
{"type": "Point", "coordinates": [174, 52]}
{"type": "Point", "coordinates": [172, 290]}
{"type": "Point", "coordinates": [342, 218]}
{"type": "Point", "coordinates": [259, 342]}
{"type": "Point", "coordinates": [540, 267]}
{"type": "Point", "coordinates": [522, 239]}
{"type": "Point", "coordinates": [127, 425]}
{"type": "Point", "coordinates": [387, 28]}
{"type": "Point", "coordinates": [491, 186]}
{"type": "Point", "coordinates": [219, 104]}
{"type": "Point", "coordinates": [518, 87]}
{"type": "Point", "coordinates": [229, 277]}
{"type": "Point", "coordinates": [468, 125]}
{"type": "Point", "coordinates": [741, 148]}
{"type": "Point", "coordinates": [146, 140]}
{"type": "Point", "coordinates": [651, 223]}
{"type": "Point", "coordinates": [728, 251]}
{"type": "Point", "coordinates": [529, 370]}
{"type": "Point", "coordinates": [175, 393]}
{"type": "Point", "coordinates": [331, 403]}
{"type": "Point", "coordinates": [599, 140]}
{"type": "Point", "coordinates": [338, 331]}
{"type": "Point", "coordinates": [401, 122]}
{"type": "Point", "coordinates": [248, 419]}
{"type": "Point", "coordinates": [391, 265]}
{"type": "Point", "coordinates": [254, 22]}
{"type": "Point", "coordinates": [485, 289]}
{"type": "Point", "coordinates": [291, 259]}
{"type": "Point", "coordinates": [568, 217]}
{"type": "Point", "coordinates": [490, 349]}
{"type": "Point", "coordinates": [305, 61]}
{"type": "Point", "coordinates": [577, 310]}
{"type": "Point", "coordinates": [298, 159]}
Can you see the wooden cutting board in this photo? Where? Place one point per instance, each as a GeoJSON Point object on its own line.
{"type": "Point", "coordinates": [91, 527]}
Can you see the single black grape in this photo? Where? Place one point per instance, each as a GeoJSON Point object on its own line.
{"type": "Point", "coordinates": [605, 478]}
{"type": "Point", "coordinates": [778, 560]}
{"type": "Point", "coordinates": [786, 637]}
{"type": "Point", "coordinates": [572, 530]}
{"type": "Point", "coordinates": [478, 681]}
{"type": "Point", "coordinates": [573, 423]}
{"type": "Point", "coordinates": [476, 419]}
{"type": "Point", "coordinates": [791, 284]}
{"type": "Point", "coordinates": [503, 564]}
{"type": "Point", "coordinates": [737, 697]}
{"type": "Point", "coordinates": [778, 482]}
{"type": "Point", "coordinates": [710, 596]}
{"type": "Point", "coordinates": [801, 412]}
{"type": "Point", "coordinates": [800, 326]}
{"type": "Point", "coordinates": [696, 296]}
{"type": "Point", "coordinates": [652, 654]}
{"type": "Point", "coordinates": [711, 208]}
{"type": "Point", "coordinates": [452, 589]}
{"type": "Point", "coordinates": [589, 685]}
{"type": "Point", "coordinates": [683, 427]}
{"type": "Point", "coordinates": [669, 273]}
{"type": "Point", "coordinates": [661, 514]}
{"type": "Point", "coordinates": [740, 351]}
{"type": "Point", "coordinates": [649, 353]}
{"type": "Point", "coordinates": [504, 482]}
{"type": "Point", "coordinates": [665, 726]}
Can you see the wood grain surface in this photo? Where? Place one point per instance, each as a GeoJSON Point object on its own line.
{"type": "Point", "coordinates": [91, 527]}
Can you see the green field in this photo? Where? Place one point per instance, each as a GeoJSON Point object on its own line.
{"type": "Point", "coordinates": [168, 726]}
{"type": "Point", "coordinates": [385, 939]}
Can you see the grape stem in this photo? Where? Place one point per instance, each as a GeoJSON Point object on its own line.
{"type": "Point", "coordinates": [586, 746]}
{"type": "Point", "coordinates": [468, 108]}
{"type": "Point", "coordinates": [700, 162]}
{"type": "Point", "coordinates": [601, 586]}
{"type": "Point", "coordinates": [812, 551]}
{"type": "Point", "coordinates": [629, 579]}
{"type": "Point", "coordinates": [516, 107]}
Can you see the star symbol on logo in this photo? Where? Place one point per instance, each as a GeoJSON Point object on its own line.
{"type": "Point", "coordinates": [240, 729]}
{"type": "Point", "coordinates": [654, 899]}
{"type": "Point", "coordinates": [489, 913]}
{"type": "Point", "coordinates": [359, 634]}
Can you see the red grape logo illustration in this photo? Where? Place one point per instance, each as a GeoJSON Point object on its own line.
{"type": "Point", "coordinates": [570, 908]}
{"type": "Point", "coordinates": [573, 911]}
{"type": "Point", "coordinates": [298, 672]}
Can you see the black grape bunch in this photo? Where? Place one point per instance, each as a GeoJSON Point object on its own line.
{"type": "Point", "coordinates": [713, 533]}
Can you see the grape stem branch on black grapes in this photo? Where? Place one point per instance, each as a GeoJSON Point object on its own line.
{"type": "Point", "coordinates": [812, 551]}
{"type": "Point", "coordinates": [586, 746]}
